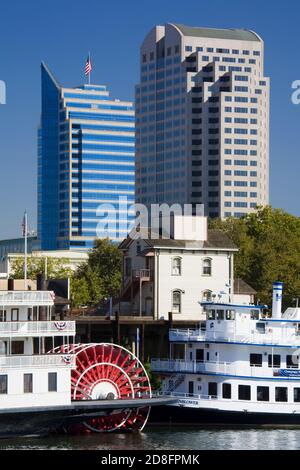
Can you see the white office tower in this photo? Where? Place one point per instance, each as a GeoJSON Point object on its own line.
{"type": "Point", "coordinates": [202, 120]}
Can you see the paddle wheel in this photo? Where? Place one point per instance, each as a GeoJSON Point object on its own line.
{"type": "Point", "coordinates": [108, 372]}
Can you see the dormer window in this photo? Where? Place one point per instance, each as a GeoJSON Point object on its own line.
{"type": "Point", "coordinates": [207, 267]}
{"type": "Point", "coordinates": [176, 266]}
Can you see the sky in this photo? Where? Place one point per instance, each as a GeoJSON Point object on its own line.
{"type": "Point", "coordinates": [61, 32]}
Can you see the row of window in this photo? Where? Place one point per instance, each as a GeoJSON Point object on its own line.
{"type": "Point", "coordinates": [177, 266]}
{"type": "Point", "coordinates": [28, 383]}
{"type": "Point", "coordinates": [245, 392]}
{"type": "Point", "coordinates": [222, 51]}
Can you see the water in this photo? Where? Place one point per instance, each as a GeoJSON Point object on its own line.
{"type": "Point", "coordinates": [167, 439]}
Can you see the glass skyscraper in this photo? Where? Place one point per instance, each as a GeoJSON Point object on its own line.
{"type": "Point", "coordinates": [85, 159]}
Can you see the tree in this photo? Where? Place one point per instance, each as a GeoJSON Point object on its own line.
{"type": "Point", "coordinates": [269, 250]}
{"type": "Point", "coordinates": [99, 277]}
{"type": "Point", "coordinates": [56, 268]}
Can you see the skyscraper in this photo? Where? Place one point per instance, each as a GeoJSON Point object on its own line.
{"type": "Point", "coordinates": [202, 120]}
{"type": "Point", "coordinates": [85, 158]}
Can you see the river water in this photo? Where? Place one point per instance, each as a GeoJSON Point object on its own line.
{"type": "Point", "coordinates": [168, 439]}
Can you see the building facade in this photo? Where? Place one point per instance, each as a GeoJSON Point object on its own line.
{"type": "Point", "coordinates": [202, 120]}
{"type": "Point", "coordinates": [162, 276]}
{"type": "Point", "coordinates": [85, 158]}
{"type": "Point", "coordinates": [17, 245]}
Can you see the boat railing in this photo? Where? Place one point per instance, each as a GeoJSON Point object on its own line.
{"type": "Point", "coordinates": [37, 361]}
{"type": "Point", "coordinates": [282, 337]}
{"type": "Point", "coordinates": [203, 367]}
{"type": "Point", "coordinates": [22, 328]}
{"type": "Point", "coordinates": [26, 298]}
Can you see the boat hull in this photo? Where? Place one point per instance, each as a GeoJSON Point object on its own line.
{"type": "Point", "coordinates": [179, 415]}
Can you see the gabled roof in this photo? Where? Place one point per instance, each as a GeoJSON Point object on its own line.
{"type": "Point", "coordinates": [234, 34]}
{"type": "Point", "coordinates": [216, 239]}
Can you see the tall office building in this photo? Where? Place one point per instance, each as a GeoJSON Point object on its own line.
{"type": "Point", "coordinates": [202, 120]}
{"type": "Point", "coordinates": [85, 158]}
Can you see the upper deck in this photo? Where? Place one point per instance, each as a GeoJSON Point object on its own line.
{"type": "Point", "coordinates": [242, 324]}
{"type": "Point", "coordinates": [26, 298]}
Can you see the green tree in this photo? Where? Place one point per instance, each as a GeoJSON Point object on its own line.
{"type": "Point", "coordinates": [269, 250]}
{"type": "Point", "coordinates": [56, 268]}
{"type": "Point", "coordinates": [99, 277]}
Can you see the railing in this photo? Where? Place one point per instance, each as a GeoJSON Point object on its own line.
{"type": "Point", "coordinates": [26, 298]}
{"type": "Point", "coordinates": [226, 368]}
{"type": "Point", "coordinates": [38, 361]}
{"type": "Point", "coordinates": [141, 274]}
{"type": "Point", "coordinates": [292, 339]}
{"type": "Point", "coordinates": [37, 328]}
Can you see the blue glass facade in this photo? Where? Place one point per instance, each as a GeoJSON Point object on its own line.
{"type": "Point", "coordinates": [86, 148]}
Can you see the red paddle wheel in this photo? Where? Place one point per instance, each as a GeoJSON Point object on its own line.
{"type": "Point", "coordinates": [107, 372]}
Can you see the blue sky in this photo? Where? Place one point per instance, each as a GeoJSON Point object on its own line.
{"type": "Point", "coordinates": [61, 32]}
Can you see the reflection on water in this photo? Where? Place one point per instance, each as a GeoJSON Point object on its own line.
{"type": "Point", "coordinates": [168, 439]}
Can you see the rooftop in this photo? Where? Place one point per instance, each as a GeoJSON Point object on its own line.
{"type": "Point", "coordinates": [234, 34]}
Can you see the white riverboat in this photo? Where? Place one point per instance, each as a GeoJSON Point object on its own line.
{"type": "Point", "coordinates": [240, 367]}
{"type": "Point", "coordinates": [49, 383]}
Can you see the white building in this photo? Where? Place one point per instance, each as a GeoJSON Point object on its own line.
{"type": "Point", "coordinates": [175, 275]}
{"type": "Point", "coordinates": [202, 120]}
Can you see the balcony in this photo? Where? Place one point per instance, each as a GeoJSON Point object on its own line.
{"type": "Point", "coordinates": [37, 328]}
{"type": "Point", "coordinates": [144, 275]}
{"type": "Point", "coordinates": [39, 361]}
{"type": "Point", "coordinates": [281, 337]}
{"type": "Point", "coordinates": [219, 368]}
{"type": "Point", "coordinates": [26, 298]}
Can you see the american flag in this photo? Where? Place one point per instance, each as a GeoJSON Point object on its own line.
{"type": "Point", "coordinates": [88, 65]}
{"type": "Point", "coordinates": [24, 224]}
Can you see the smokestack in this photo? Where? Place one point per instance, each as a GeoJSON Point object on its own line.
{"type": "Point", "coordinates": [277, 300]}
{"type": "Point", "coordinates": [10, 284]}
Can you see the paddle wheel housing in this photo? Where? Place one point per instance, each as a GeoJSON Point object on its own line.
{"type": "Point", "coordinates": [107, 371]}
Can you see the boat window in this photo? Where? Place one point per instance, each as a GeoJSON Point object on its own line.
{"type": "Point", "coordinates": [256, 360]}
{"type": "Point", "coordinates": [261, 328]}
{"type": "Point", "coordinates": [226, 391]}
{"type": "Point", "coordinates": [254, 314]}
{"type": "Point", "coordinates": [14, 314]}
{"type": "Point", "coordinates": [281, 394]}
{"type": "Point", "coordinates": [296, 395]}
{"type": "Point", "coordinates": [2, 315]}
{"type": "Point", "coordinates": [211, 314]}
{"type": "Point", "coordinates": [52, 382]}
{"type": "Point", "coordinates": [263, 394]}
{"type": "Point", "coordinates": [292, 361]}
{"type": "Point", "coordinates": [220, 314]}
{"type": "Point", "coordinates": [27, 383]}
{"type": "Point", "coordinates": [17, 347]}
{"type": "Point", "coordinates": [200, 355]}
{"type": "Point", "coordinates": [213, 389]}
{"type": "Point", "coordinates": [230, 314]}
{"type": "Point", "coordinates": [274, 360]}
{"type": "Point", "coordinates": [244, 392]}
{"type": "Point", "coordinates": [3, 384]}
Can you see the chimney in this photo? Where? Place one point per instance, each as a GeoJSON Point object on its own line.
{"type": "Point", "coordinates": [277, 300]}
{"type": "Point", "coordinates": [10, 284]}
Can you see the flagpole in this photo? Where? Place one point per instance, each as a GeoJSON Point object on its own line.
{"type": "Point", "coordinates": [25, 250]}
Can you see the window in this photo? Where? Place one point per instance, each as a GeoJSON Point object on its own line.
{"type": "Point", "coordinates": [226, 391]}
{"type": "Point", "coordinates": [14, 314]}
{"type": "Point", "coordinates": [261, 328]}
{"type": "Point", "coordinates": [176, 301]}
{"type": "Point", "coordinates": [207, 267]}
{"type": "Point", "coordinates": [2, 315]}
{"type": "Point", "coordinates": [281, 394]}
{"type": "Point", "coordinates": [206, 296]}
{"type": "Point", "coordinates": [17, 347]}
{"type": "Point", "coordinates": [200, 355]}
{"type": "Point", "coordinates": [28, 383]}
{"type": "Point", "coordinates": [230, 314]}
{"type": "Point", "coordinates": [296, 395]}
{"type": "Point", "coordinates": [52, 382]}
{"type": "Point", "coordinates": [263, 394]}
{"type": "Point", "coordinates": [220, 315]}
{"type": "Point", "coordinates": [274, 360]}
{"type": "Point", "coordinates": [256, 360]}
{"type": "Point", "coordinates": [292, 361]}
{"type": "Point", "coordinates": [3, 384]}
{"type": "Point", "coordinates": [244, 392]}
{"type": "Point", "coordinates": [213, 389]}
{"type": "Point", "coordinates": [176, 267]}
{"type": "Point", "coordinates": [128, 267]}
